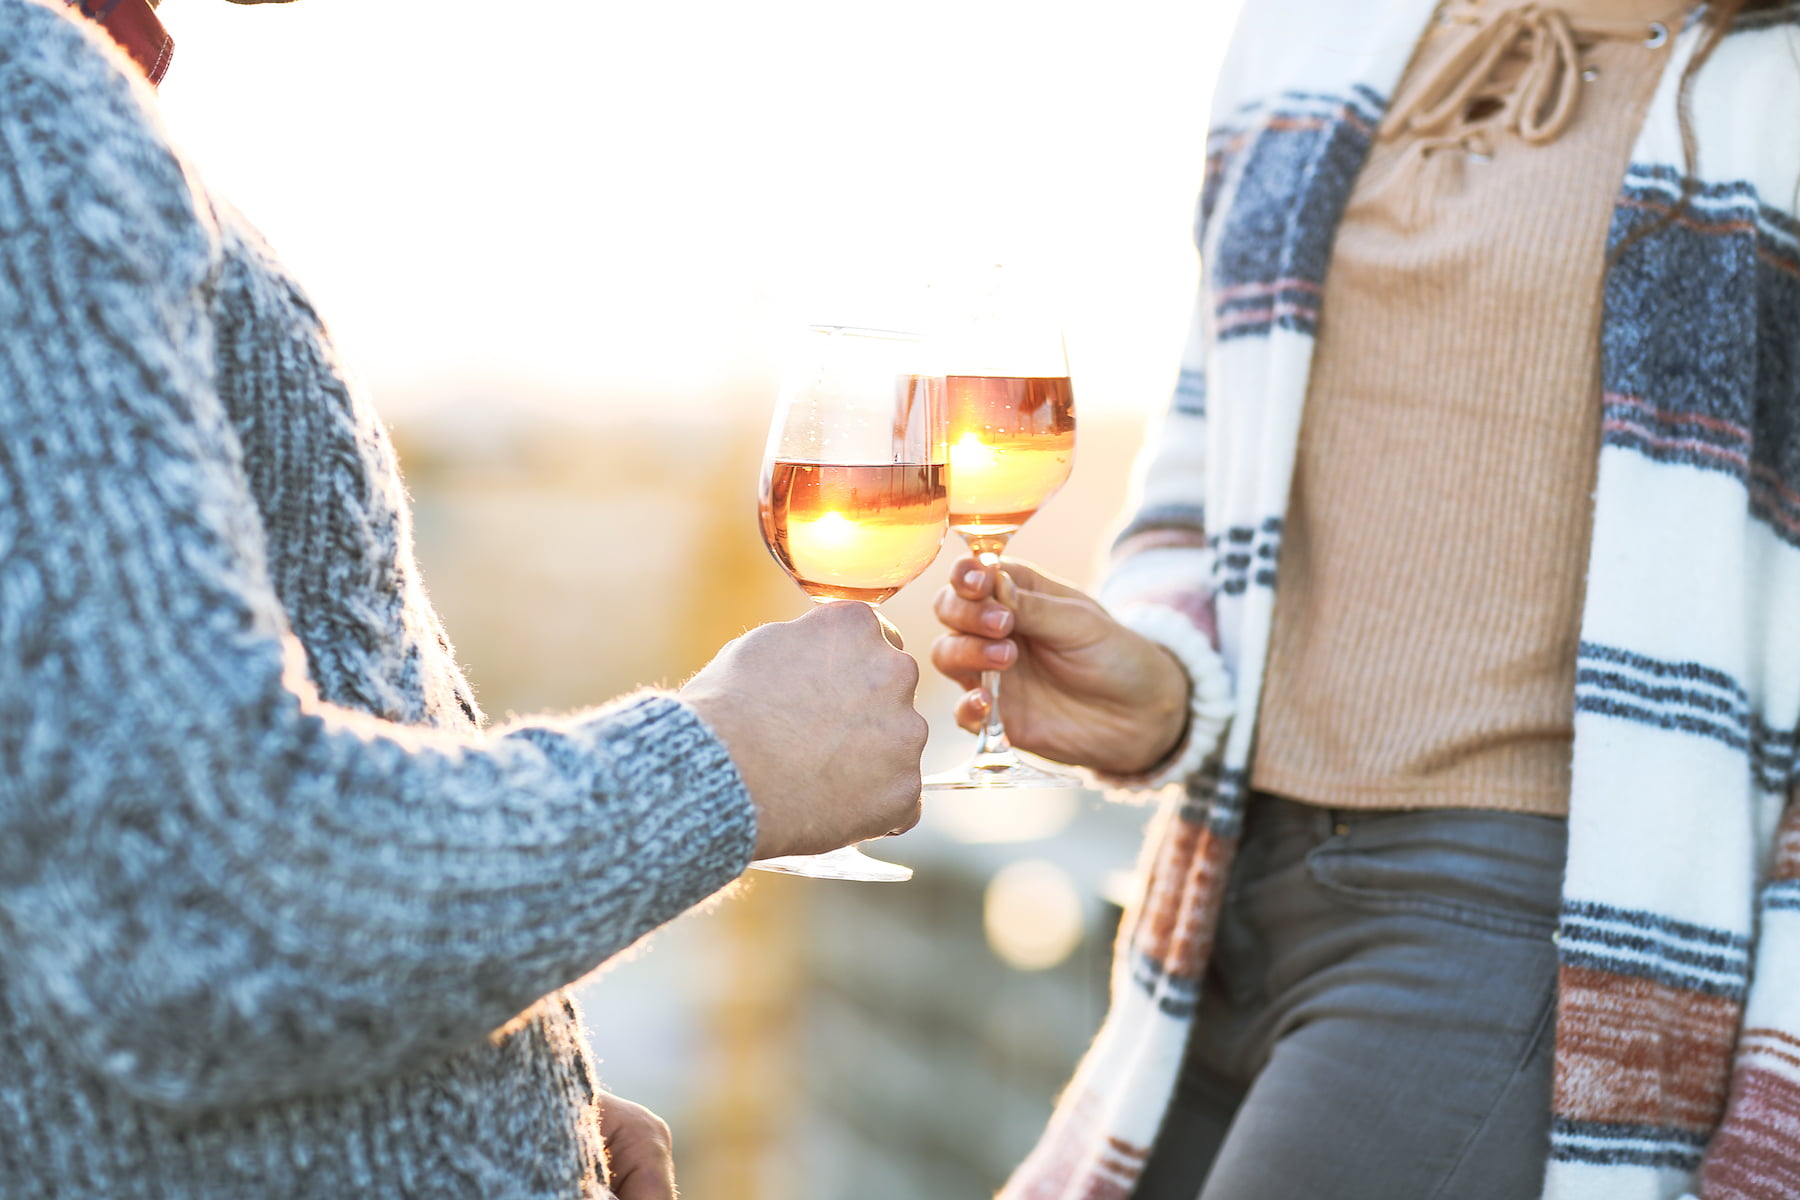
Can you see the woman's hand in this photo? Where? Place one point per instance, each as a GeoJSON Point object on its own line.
{"type": "Point", "coordinates": [640, 1162]}
{"type": "Point", "coordinates": [1080, 687]}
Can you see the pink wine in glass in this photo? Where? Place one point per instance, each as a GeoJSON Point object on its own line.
{"type": "Point", "coordinates": [853, 532]}
{"type": "Point", "coordinates": [1012, 445]}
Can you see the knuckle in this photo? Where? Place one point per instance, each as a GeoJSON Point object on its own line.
{"type": "Point", "coordinates": [945, 651]}
{"type": "Point", "coordinates": [919, 731]}
{"type": "Point", "coordinates": [906, 672]}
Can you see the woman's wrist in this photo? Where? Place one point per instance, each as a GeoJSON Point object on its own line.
{"type": "Point", "coordinates": [1194, 730]}
{"type": "Point", "coordinates": [1169, 716]}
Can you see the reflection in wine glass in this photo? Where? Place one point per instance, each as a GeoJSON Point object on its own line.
{"type": "Point", "coordinates": [1012, 445]}
{"type": "Point", "coordinates": [854, 504]}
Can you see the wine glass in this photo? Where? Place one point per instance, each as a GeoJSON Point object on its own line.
{"type": "Point", "coordinates": [1012, 446]}
{"type": "Point", "coordinates": [854, 504]}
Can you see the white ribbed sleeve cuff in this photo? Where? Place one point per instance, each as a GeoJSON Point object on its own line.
{"type": "Point", "coordinates": [1210, 705]}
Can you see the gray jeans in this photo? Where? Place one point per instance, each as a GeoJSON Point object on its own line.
{"type": "Point", "coordinates": [1378, 1018]}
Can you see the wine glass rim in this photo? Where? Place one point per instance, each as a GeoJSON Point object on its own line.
{"type": "Point", "coordinates": [866, 331]}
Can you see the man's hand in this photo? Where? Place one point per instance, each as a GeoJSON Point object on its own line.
{"type": "Point", "coordinates": [1080, 687]}
{"type": "Point", "coordinates": [640, 1163]}
{"type": "Point", "coordinates": [818, 715]}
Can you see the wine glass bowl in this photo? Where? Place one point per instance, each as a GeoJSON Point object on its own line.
{"type": "Point", "coordinates": [1011, 426]}
{"type": "Point", "coordinates": [854, 502]}
{"type": "Point", "coordinates": [854, 531]}
{"type": "Point", "coordinates": [1012, 446]}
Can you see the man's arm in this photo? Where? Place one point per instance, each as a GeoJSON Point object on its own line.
{"type": "Point", "coordinates": [219, 889]}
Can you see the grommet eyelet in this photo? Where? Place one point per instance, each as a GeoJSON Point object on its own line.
{"type": "Point", "coordinates": [1659, 33]}
{"type": "Point", "coordinates": [1589, 74]}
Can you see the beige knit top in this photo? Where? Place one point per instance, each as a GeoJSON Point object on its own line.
{"type": "Point", "coordinates": [1423, 652]}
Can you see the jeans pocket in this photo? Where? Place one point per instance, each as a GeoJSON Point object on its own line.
{"type": "Point", "coordinates": [1498, 871]}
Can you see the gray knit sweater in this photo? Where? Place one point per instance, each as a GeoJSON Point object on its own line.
{"type": "Point", "coordinates": [277, 919]}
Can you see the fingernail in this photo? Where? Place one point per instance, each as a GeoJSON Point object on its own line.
{"type": "Point", "coordinates": [974, 579]}
{"type": "Point", "coordinates": [997, 621]}
{"type": "Point", "coordinates": [1000, 653]}
{"type": "Point", "coordinates": [1005, 590]}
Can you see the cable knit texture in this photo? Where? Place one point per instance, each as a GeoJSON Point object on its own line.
{"type": "Point", "coordinates": [277, 918]}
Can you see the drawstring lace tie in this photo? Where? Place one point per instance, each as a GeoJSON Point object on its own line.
{"type": "Point", "coordinates": [1468, 90]}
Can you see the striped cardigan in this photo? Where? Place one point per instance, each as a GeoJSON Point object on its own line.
{"type": "Point", "coordinates": [1678, 1028]}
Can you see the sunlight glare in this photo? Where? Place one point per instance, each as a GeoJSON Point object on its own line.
{"type": "Point", "coordinates": [629, 204]}
{"type": "Point", "coordinates": [971, 455]}
{"type": "Point", "coordinates": [831, 532]}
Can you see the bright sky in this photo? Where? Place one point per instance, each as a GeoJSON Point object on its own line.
{"type": "Point", "coordinates": [610, 201]}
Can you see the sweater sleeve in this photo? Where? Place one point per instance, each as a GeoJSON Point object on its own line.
{"type": "Point", "coordinates": [216, 889]}
{"type": "Point", "coordinates": [1159, 581]}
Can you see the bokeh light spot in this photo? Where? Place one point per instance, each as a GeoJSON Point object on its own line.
{"type": "Point", "coordinates": [1032, 915]}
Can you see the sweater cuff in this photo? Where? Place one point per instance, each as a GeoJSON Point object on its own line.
{"type": "Point", "coordinates": [704, 822]}
{"type": "Point", "coordinates": [1210, 705]}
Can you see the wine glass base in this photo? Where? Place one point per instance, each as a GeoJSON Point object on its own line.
{"type": "Point", "coordinates": [847, 863]}
{"type": "Point", "coordinates": [999, 772]}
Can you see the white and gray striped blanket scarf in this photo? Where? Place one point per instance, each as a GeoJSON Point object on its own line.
{"type": "Point", "coordinates": [1678, 1027]}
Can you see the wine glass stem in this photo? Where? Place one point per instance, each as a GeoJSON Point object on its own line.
{"type": "Point", "coordinates": [993, 733]}
{"type": "Point", "coordinates": [992, 739]}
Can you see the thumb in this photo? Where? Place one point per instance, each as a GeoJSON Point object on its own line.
{"type": "Point", "coordinates": [1057, 618]}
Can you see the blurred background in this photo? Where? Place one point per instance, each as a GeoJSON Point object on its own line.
{"type": "Point", "coordinates": [562, 244]}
